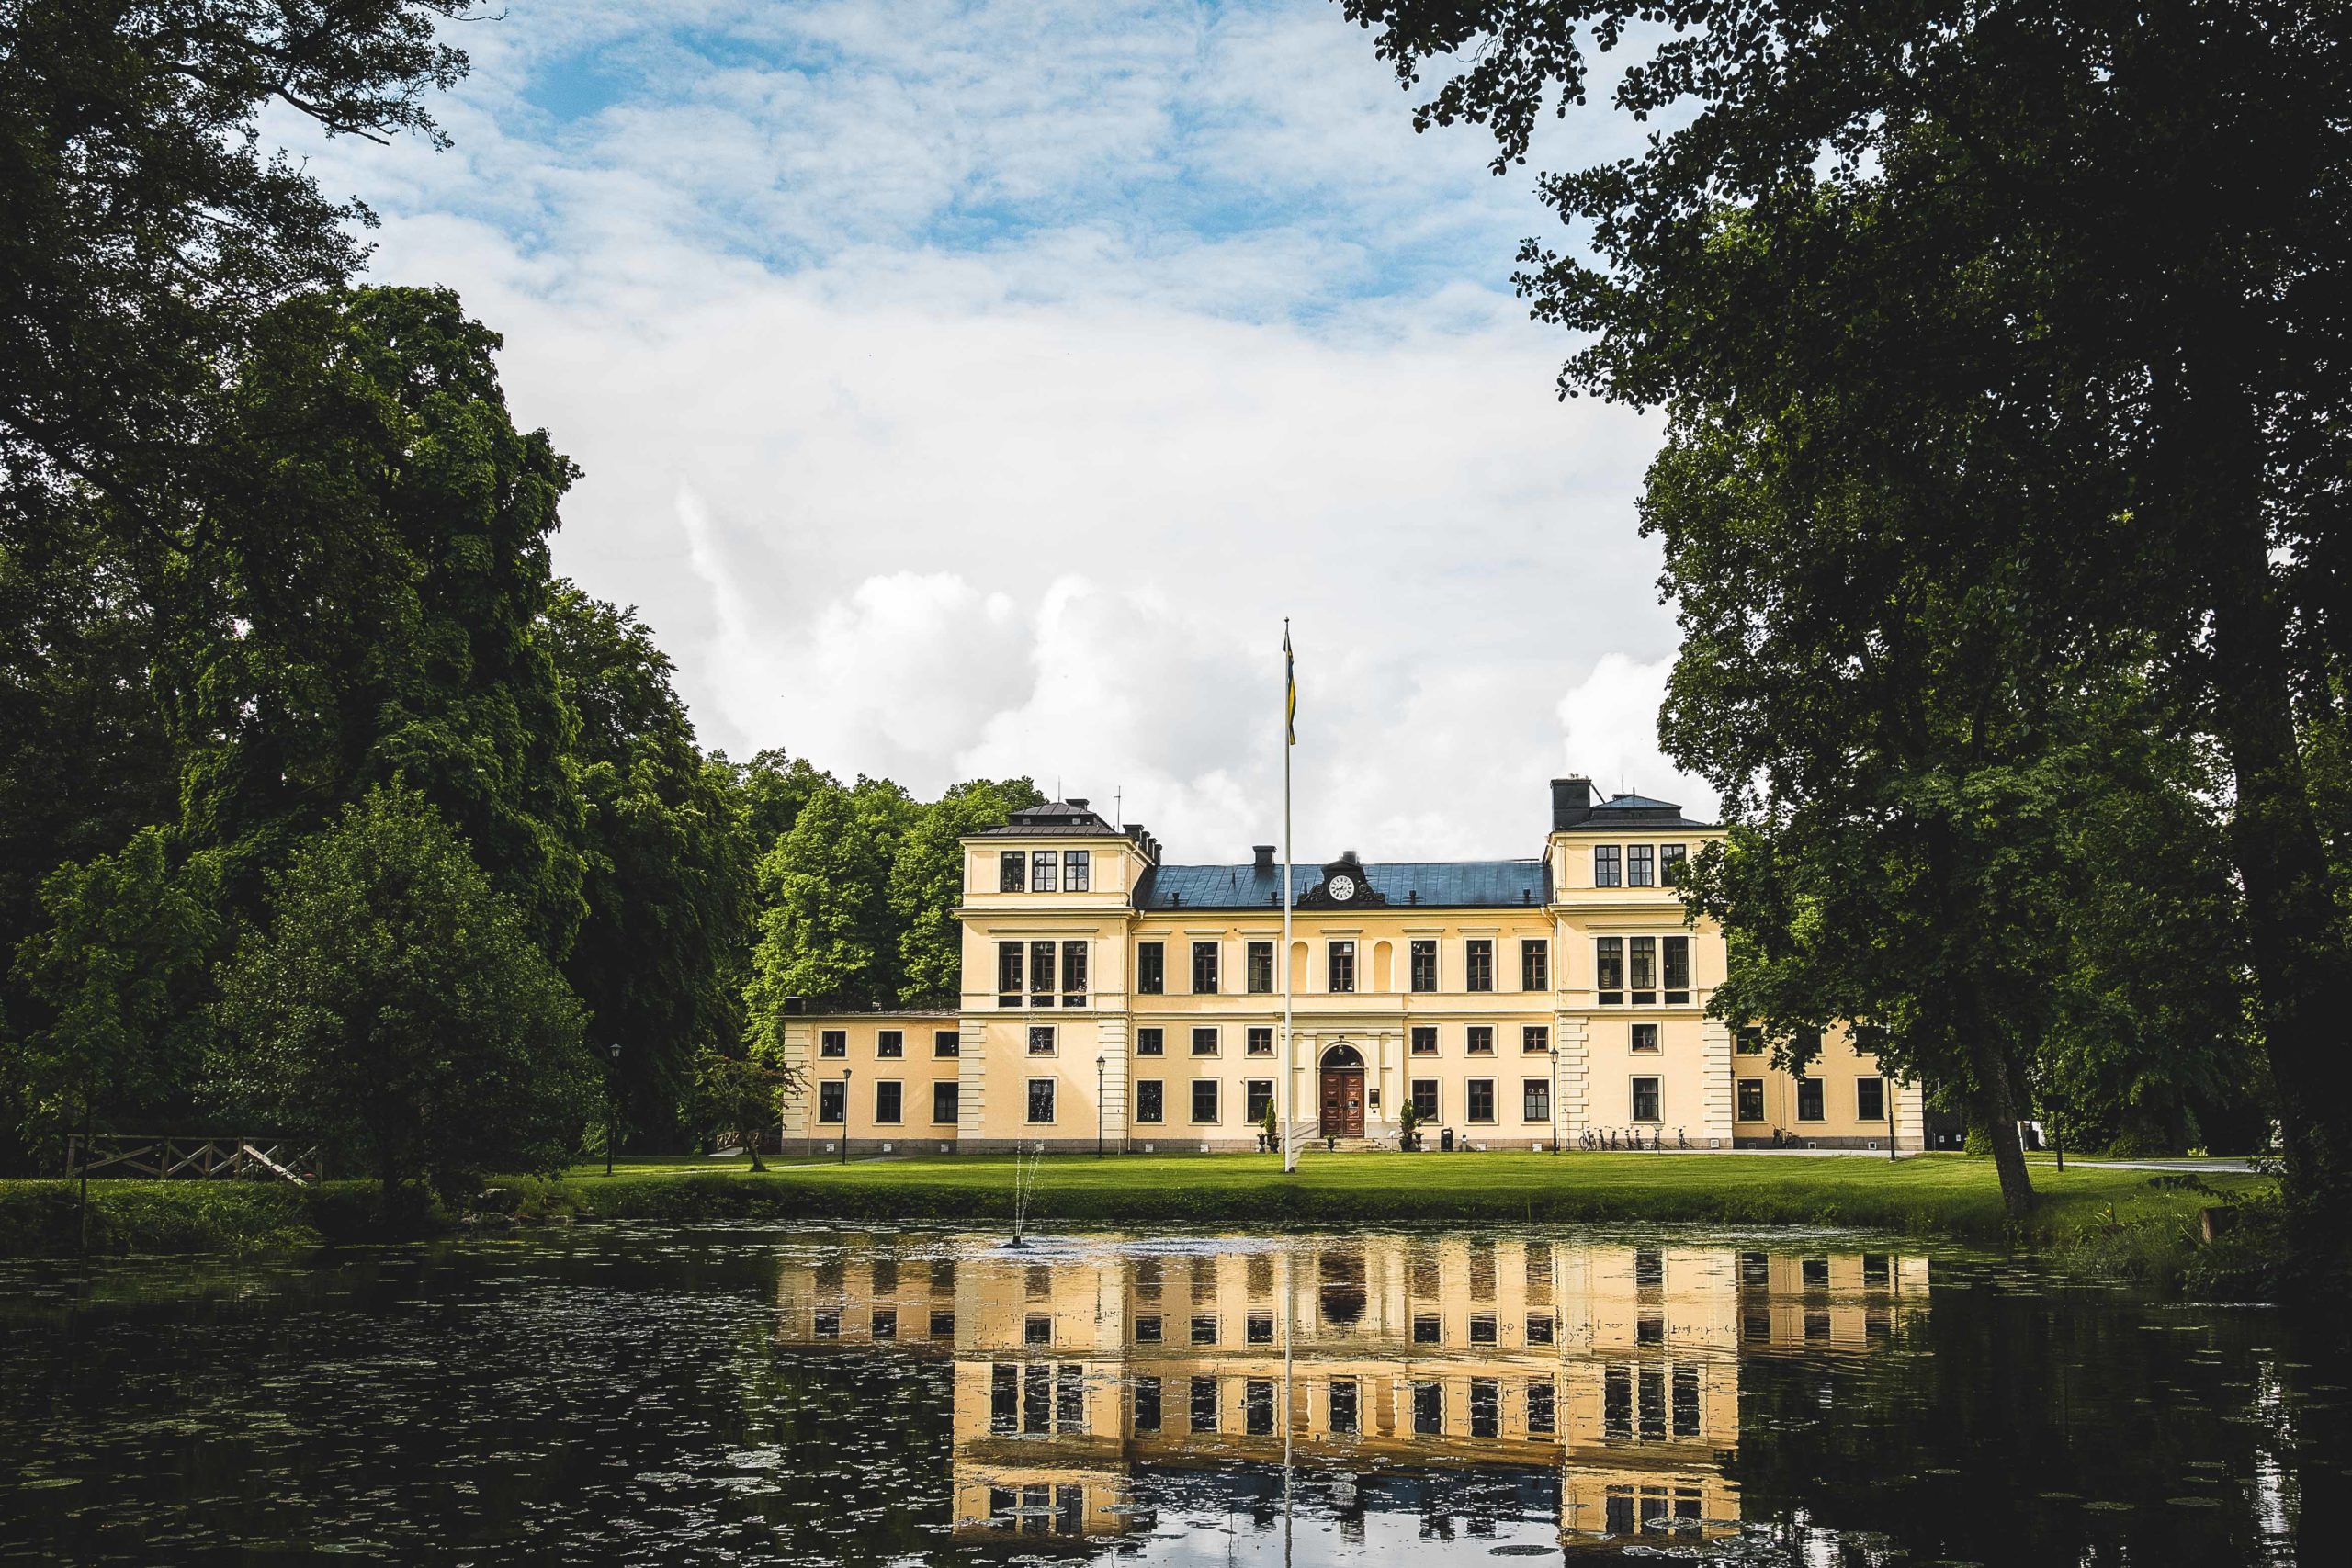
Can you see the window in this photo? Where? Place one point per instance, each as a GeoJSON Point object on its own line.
{"type": "Point", "coordinates": [1751, 1100]}
{"type": "Point", "coordinates": [1481, 1100]}
{"type": "Point", "coordinates": [1149, 1329]}
{"type": "Point", "coordinates": [1643, 952]}
{"type": "Point", "coordinates": [1652, 1410]}
{"type": "Point", "coordinates": [1870, 1099]}
{"type": "Point", "coordinates": [1534, 965]}
{"type": "Point", "coordinates": [1147, 1405]}
{"type": "Point", "coordinates": [1260, 1040]}
{"type": "Point", "coordinates": [1617, 1403]}
{"type": "Point", "coordinates": [1041, 871]}
{"type": "Point", "coordinates": [1645, 1038]}
{"type": "Point", "coordinates": [1258, 1328]}
{"type": "Point", "coordinates": [1205, 1405]}
{"type": "Point", "coordinates": [1482, 1328]}
{"type": "Point", "coordinates": [1205, 1100]}
{"type": "Point", "coordinates": [1037, 1328]}
{"type": "Point", "coordinates": [1534, 1037]}
{"type": "Point", "coordinates": [943, 1325]}
{"type": "Point", "coordinates": [1151, 967]}
{"type": "Point", "coordinates": [1077, 871]}
{"type": "Point", "coordinates": [1425, 1097]}
{"type": "Point", "coordinates": [1041, 970]}
{"type": "Point", "coordinates": [1427, 1328]}
{"type": "Point", "coordinates": [890, 1043]}
{"type": "Point", "coordinates": [1260, 977]}
{"type": "Point", "coordinates": [1204, 1041]}
{"type": "Point", "coordinates": [1073, 973]}
{"type": "Point", "coordinates": [1257, 1094]}
{"type": "Point", "coordinates": [1010, 958]}
{"type": "Point", "coordinates": [1479, 959]}
{"type": "Point", "coordinates": [1641, 865]}
{"type": "Point", "coordinates": [888, 1097]}
{"type": "Point", "coordinates": [1814, 1272]}
{"type": "Point", "coordinates": [832, 1102]}
{"type": "Point", "coordinates": [833, 1043]}
{"type": "Point", "coordinates": [1070, 1403]}
{"type": "Point", "coordinates": [1678, 970]}
{"type": "Point", "coordinates": [1429, 1409]}
{"type": "Point", "coordinates": [1749, 1043]}
{"type": "Point", "coordinates": [1148, 1042]}
{"type": "Point", "coordinates": [1809, 1100]}
{"type": "Point", "coordinates": [1343, 1407]}
{"type": "Point", "coordinates": [1204, 1328]}
{"type": "Point", "coordinates": [944, 1101]}
{"type": "Point", "coordinates": [1609, 969]}
{"type": "Point", "coordinates": [1673, 860]}
{"type": "Point", "coordinates": [1041, 1040]}
{"type": "Point", "coordinates": [1151, 1104]}
{"type": "Point", "coordinates": [946, 1042]}
{"type": "Point", "coordinates": [1423, 965]}
{"type": "Point", "coordinates": [1343, 967]}
{"type": "Point", "coordinates": [1686, 1402]}
{"type": "Point", "coordinates": [1425, 1039]}
{"type": "Point", "coordinates": [1010, 866]}
{"type": "Point", "coordinates": [1605, 867]}
{"type": "Point", "coordinates": [1645, 1100]}
{"type": "Point", "coordinates": [1204, 968]}
{"type": "Point", "coordinates": [1258, 1406]}
{"type": "Point", "coordinates": [1535, 1100]}
{"type": "Point", "coordinates": [1486, 1407]}
{"type": "Point", "coordinates": [1478, 1040]}
{"type": "Point", "coordinates": [1041, 1099]}
{"type": "Point", "coordinates": [1543, 1417]}
{"type": "Point", "coordinates": [1541, 1330]}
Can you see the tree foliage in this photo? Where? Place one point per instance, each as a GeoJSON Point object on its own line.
{"type": "Point", "coordinates": [396, 1006]}
{"type": "Point", "coordinates": [927, 884]}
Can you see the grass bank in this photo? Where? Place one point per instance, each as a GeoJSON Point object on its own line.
{"type": "Point", "coordinates": [2092, 1216]}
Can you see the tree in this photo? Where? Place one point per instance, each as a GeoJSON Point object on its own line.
{"type": "Point", "coordinates": [122, 968]}
{"type": "Point", "coordinates": [741, 1092]}
{"type": "Point", "coordinates": [668, 884]}
{"type": "Point", "coordinates": [2072, 220]}
{"type": "Point", "coordinates": [378, 564]}
{"type": "Point", "coordinates": [148, 226]}
{"type": "Point", "coordinates": [927, 884]}
{"type": "Point", "coordinates": [397, 1007]}
{"type": "Point", "coordinates": [825, 928]}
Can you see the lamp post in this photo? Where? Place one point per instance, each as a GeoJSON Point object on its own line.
{"type": "Point", "coordinates": [611, 1095]}
{"type": "Point", "coordinates": [1889, 1081]}
{"type": "Point", "coordinates": [1098, 1106]}
{"type": "Point", "coordinates": [845, 1115]}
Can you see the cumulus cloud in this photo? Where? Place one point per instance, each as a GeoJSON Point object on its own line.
{"type": "Point", "coordinates": [975, 389]}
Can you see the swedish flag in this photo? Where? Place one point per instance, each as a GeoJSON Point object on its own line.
{"type": "Point", "coordinates": [1290, 678]}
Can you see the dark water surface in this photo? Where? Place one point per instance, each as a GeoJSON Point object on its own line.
{"type": "Point", "coordinates": [635, 1395]}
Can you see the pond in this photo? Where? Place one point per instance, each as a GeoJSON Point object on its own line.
{"type": "Point", "coordinates": [642, 1394]}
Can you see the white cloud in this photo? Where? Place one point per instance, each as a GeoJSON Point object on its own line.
{"type": "Point", "coordinates": [1610, 724]}
{"type": "Point", "coordinates": [975, 389]}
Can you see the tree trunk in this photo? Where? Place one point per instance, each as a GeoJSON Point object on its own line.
{"type": "Point", "coordinates": [1995, 1107]}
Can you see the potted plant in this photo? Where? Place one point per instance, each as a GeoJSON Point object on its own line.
{"type": "Point", "coordinates": [1408, 1126]}
{"type": "Point", "coordinates": [1267, 1133]}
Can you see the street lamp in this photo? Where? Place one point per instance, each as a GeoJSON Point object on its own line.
{"type": "Point", "coordinates": [1098, 1106]}
{"type": "Point", "coordinates": [611, 1094]}
{"type": "Point", "coordinates": [844, 1115]}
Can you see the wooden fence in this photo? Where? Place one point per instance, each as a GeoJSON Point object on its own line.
{"type": "Point", "coordinates": [232, 1158]}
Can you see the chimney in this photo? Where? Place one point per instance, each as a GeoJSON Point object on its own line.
{"type": "Point", "coordinates": [1263, 856]}
{"type": "Point", "coordinates": [1571, 802]}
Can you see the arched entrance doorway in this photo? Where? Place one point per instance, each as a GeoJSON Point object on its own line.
{"type": "Point", "coordinates": [1342, 1092]}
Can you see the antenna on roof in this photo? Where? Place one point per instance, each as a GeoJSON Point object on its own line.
{"type": "Point", "coordinates": [1118, 810]}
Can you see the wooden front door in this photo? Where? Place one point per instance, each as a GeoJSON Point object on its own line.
{"type": "Point", "coordinates": [1343, 1103]}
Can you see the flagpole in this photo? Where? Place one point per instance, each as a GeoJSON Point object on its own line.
{"type": "Point", "coordinates": [1289, 1063]}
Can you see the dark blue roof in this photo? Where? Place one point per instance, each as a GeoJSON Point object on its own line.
{"type": "Point", "coordinates": [1428, 884]}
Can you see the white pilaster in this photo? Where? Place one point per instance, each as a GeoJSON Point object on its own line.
{"type": "Point", "coordinates": [1714, 1059]}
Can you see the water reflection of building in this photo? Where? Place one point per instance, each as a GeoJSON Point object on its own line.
{"type": "Point", "coordinates": [1606, 1377]}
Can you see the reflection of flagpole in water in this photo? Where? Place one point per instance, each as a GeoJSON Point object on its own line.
{"type": "Point", "coordinates": [1289, 1322]}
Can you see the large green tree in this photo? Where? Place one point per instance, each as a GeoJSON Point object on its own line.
{"type": "Point", "coordinates": [2112, 231]}
{"type": "Point", "coordinates": [377, 562]}
{"type": "Point", "coordinates": [396, 1006]}
{"type": "Point", "coordinates": [927, 884]}
{"type": "Point", "coordinates": [668, 881]}
{"type": "Point", "coordinates": [825, 928]}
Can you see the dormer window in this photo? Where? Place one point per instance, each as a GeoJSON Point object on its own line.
{"type": "Point", "coordinates": [1041, 871]}
{"type": "Point", "coordinates": [1011, 871]}
{"type": "Point", "coordinates": [1076, 873]}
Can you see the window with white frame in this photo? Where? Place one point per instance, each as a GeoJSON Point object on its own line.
{"type": "Point", "coordinates": [1042, 863]}
{"type": "Point", "coordinates": [1204, 1042]}
{"type": "Point", "coordinates": [1646, 1099]}
{"type": "Point", "coordinates": [1041, 1099]}
{"type": "Point", "coordinates": [1077, 871]}
{"type": "Point", "coordinates": [890, 1043]}
{"type": "Point", "coordinates": [1011, 871]}
{"type": "Point", "coordinates": [1607, 867]}
{"type": "Point", "coordinates": [1641, 865]}
{"type": "Point", "coordinates": [832, 1043]}
{"type": "Point", "coordinates": [1041, 1040]}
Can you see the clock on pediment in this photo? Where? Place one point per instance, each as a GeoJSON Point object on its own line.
{"type": "Point", "coordinates": [1344, 887]}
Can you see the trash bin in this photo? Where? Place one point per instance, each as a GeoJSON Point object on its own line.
{"type": "Point", "coordinates": [1445, 1140]}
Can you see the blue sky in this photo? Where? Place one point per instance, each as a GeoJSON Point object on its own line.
{"type": "Point", "coordinates": [974, 388]}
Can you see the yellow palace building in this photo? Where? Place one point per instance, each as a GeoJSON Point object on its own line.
{"type": "Point", "coordinates": [1109, 995]}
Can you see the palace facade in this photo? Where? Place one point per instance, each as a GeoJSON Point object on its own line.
{"type": "Point", "coordinates": [1110, 996]}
